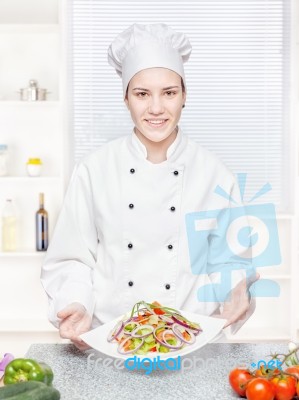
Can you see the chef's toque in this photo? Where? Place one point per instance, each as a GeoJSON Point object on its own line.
{"type": "Point", "coordinates": [148, 46]}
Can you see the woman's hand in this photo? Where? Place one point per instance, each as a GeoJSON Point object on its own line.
{"type": "Point", "coordinates": [75, 320]}
{"type": "Point", "coordinates": [238, 308]}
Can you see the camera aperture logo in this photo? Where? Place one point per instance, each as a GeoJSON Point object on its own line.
{"type": "Point", "coordinates": [235, 238]}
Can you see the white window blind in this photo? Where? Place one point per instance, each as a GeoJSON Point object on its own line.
{"type": "Point", "coordinates": [237, 80]}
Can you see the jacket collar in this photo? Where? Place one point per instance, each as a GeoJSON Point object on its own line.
{"type": "Point", "coordinates": [173, 151]}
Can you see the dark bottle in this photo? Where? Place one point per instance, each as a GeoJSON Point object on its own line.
{"type": "Point", "coordinates": [41, 226]}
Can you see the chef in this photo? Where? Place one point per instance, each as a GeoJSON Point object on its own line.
{"type": "Point", "coordinates": [121, 235]}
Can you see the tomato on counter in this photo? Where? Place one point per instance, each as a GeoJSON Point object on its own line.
{"type": "Point", "coordinates": [260, 389]}
{"type": "Point", "coordinates": [238, 379]}
{"type": "Point", "coordinates": [285, 387]}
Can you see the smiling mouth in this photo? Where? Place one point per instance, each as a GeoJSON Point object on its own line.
{"type": "Point", "coordinates": [156, 122]}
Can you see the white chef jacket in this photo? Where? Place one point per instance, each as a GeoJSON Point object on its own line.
{"type": "Point", "coordinates": [121, 234]}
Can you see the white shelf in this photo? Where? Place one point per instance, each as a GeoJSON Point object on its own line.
{"type": "Point", "coordinates": [275, 276]}
{"type": "Point", "coordinates": [22, 253]}
{"type": "Point", "coordinates": [20, 103]}
{"type": "Point", "coordinates": [29, 11]}
{"type": "Point", "coordinates": [29, 28]}
{"type": "Point", "coordinates": [285, 216]}
{"type": "Point", "coordinates": [26, 325]}
{"type": "Point", "coordinates": [29, 179]}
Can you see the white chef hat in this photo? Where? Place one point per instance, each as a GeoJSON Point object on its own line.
{"type": "Point", "coordinates": [147, 46]}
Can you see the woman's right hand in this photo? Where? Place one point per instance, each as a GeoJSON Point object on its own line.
{"type": "Point", "coordinates": [75, 320]}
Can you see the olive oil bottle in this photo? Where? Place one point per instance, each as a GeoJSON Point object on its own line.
{"type": "Point", "coordinates": [41, 224]}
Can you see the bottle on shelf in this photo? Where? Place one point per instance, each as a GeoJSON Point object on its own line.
{"type": "Point", "coordinates": [9, 227]}
{"type": "Point", "coordinates": [41, 223]}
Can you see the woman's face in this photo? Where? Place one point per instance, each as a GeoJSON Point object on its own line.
{"type": "Point", "coordinates": [155, 98]}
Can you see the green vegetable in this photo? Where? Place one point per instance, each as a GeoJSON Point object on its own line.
{"type": "Point", "coordinates": [29, 391]}
{"type": "Point", "coordinates": [163, 349]}
{"type": "Point", "coordinates": [25, 369]}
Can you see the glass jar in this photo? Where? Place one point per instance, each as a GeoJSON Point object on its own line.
{"type": "Point", "coordinates": [3, 160]}
{"type": "Point", "coordinates": [34, 166]}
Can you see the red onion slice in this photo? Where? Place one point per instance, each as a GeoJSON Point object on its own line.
{"type": "Point", "coordinates": [127, 321]}
{"type": "Point", "coordinates": [141, 327]}
{"type": "Point", "coordinates": [163, 342]}
{"type": "Point", "coordinates": [176, 318]}
{"type": "Point", "coordinates": [121, 346]}
{"type": "Point", "coordinates": [146, 309]}
{"type": "Point", "coordinates": [115, 332]}
{"type": "Point", "coordinates": [177, 331]}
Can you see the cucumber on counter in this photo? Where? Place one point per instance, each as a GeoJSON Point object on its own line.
{"type": "Point", "coordinates": [32, 390]}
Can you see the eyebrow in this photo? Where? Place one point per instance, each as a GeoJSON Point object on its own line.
{"type": "Point", "coordinates": [166, 88]}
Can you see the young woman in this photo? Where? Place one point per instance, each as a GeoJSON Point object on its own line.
{"type": "Point", "coordinates": [121, 236]}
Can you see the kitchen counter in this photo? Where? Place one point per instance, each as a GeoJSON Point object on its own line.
{"type": "Point", "coordinates": [203, 374]}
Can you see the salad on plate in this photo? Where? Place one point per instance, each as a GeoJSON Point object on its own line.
{"type": "Point", "coordinates": [152, 327]}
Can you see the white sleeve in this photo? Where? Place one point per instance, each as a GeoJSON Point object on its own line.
{"type": "Point", "coordinates": [67, 272]}
{"type": "Point", "coordinates": [228, 261]}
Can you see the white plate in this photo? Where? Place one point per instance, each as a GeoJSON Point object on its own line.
{"type": "Point", "coordinates": [97, 338]}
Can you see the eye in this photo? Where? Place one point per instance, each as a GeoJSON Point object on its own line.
{"type": "Point", "coordinates": [141, 94]}
{"type": "Point", "coordinates": [170, 93]}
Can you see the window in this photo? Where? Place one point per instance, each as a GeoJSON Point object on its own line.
{"type": "Point", "coordinates": [237, 80]}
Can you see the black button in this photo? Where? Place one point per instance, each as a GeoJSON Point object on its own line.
{"type": "Point", "coordinates": [131, 205]}
{"type": "Point", "coordinates": [176, 172]}
{"type": "Point", "coordinates": [132, 170]}
{"type": "Point", "coordinates": [130, 283]}
{"type": "Point", "coordinates": [130, 245]}
{"type": "Point", "coordinates": [167, 286]}
{"type": "Point", "coordinates": [170, 246]}
{"type": "Point", "coordinates": [172, 208]}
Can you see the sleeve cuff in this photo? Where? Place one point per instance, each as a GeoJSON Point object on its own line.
{"type": "Point", "coordinates": [75, 292]}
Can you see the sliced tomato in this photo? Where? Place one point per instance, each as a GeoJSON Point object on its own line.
{"type": "Point", "coordinates": [158, 311]}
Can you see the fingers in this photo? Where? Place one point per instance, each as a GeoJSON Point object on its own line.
{"type": "Point", "coordinates": [242, 314]}
{"type": "Point", "coordinates": [241, 321]}
{"type": "Point", "coordinates": [80, 344]}
{"type": "Point", "coordinates": [75, 321]}
{"type": "Point", "coordinates": [253, 278]}
{"type": "Point", "coordinates": [234, 318]}
{"type": "Point", "coordinates": [71, 309]}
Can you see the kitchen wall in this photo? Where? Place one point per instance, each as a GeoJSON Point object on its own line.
{"type": "Point", "coordinates": [31, 47]}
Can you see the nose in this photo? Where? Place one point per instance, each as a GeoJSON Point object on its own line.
{"type": "Point", "coordinates": [156, 105]}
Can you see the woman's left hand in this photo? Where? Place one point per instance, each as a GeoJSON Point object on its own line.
{"type": "Point", "coordinates": [240, 306]}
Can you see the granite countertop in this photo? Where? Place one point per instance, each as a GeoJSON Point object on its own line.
{"type": "Point", "coordinates": [203, 374]}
